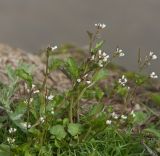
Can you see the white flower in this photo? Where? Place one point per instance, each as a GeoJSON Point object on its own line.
{"type": "Point", "coordinates": [123, 117]}
{"type": "Point", "coordinates": [12, 130]}
{"type": "Point", "coordinates": [104, 54]}
{"type": "Point", "coordinates": [29, 125]}
{"type": "Point", "coordinates": [33, 86]}
{"type": "Point", "coordinates": [100, 53]}
{"type": "Point", "coordinates": [133, 114]}
{"type": "Point", "coordinates": [54, 48]}
{"type": "Point", "coordinates": [114, 115]}
{"type": "Point", "coordinates": [123, 80]}
{"type": "Point", "coordinates": [31, 99]}
{"type": "Point", "coordinates": [108, 122]}
{"type": "Point", "coordinates": [153, 75]}
{"type": "Point", "coordinates": [100, 26]}
{"type": "Point", "coordinates": [105, 58]}
{"type": "Point", "coordinates": [42, 119]}
{"type": "Point", "coordinates": [152, 55]}
{"type": "Point", "coordinates": [78, 80]}
{"type": "Point", "coordinates": [88, 82]}
{"type": "Point", "coordinates": [10, 140]}
{"type": "Point", "coordinates": [50, 97]}
{"type": "Point", "coordinates": [85, 75]}
{"type": "Point", "coordinates": [92, 57]}
{"type": "Point", "coordinates": [128, 88]}
{"type": "Point", "coordinates": [36, 91]}
{"type": "Point", "coordinates": [120, 52]}
{"type": "Point", "coordinates": [52, 110]}
{"type": "Point", "coordinates": [100, 63]}
{"type": "Point", "coordinates": [25, 125]}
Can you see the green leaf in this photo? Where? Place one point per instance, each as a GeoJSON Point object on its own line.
{"type": "Point", "coordinates": [58, 131]}
{"type": "Point", "coordinates": [156, 98]}
{"type": "Point", "coordinates": [140, 118]}
{"type": "Point", "coordinates": [74, 129]}
{"type": "Point", "coordinates": [93, 93]}
{"type": "Point", "coordinates": [98, 46]}
{"type": "Point", "coordinates": [27, 153]}
{"type": "Point", "coordinates": [34, 131]}
{"type": "Point", "coordinates": [24, 75]}
{"type": "Point", "coordinates": [20, 109]}
{"type": "Point", "coordinates": [140, 79]}
{"type": "Point", "coordinates": [122, 91]}
{"type": "Point", "coordinates": [101, 74]}
{"type": "Point", "coordinates": [96, 109]}
{"type": "Point", "coordinates": [16, 116]}
{"type": "Point", "coordinates": [54, 64]}
{"type": "Point", "coordinates": [4, 150]}
{"type": "Point", "coordinates": [97, 122]}
{"type": "Point", "coordinates": [65, 121]}
{"type": "Point", "coordinates": [11, 73]}
{"type": "Point", "coordinates": [72, 69]}
{"type": "Point", "coordinates": [57, 144]}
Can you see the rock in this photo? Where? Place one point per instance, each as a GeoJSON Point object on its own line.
{"type": "Point", "coordinates": [12, 56]}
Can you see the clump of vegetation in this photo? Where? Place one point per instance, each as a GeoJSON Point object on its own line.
{"type": "Point", "coordinates": [78, 122]}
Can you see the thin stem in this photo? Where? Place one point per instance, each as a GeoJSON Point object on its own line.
{"type": "Point", "coordinates": [92, 39]}
{"type": "Point", "coordinates": [77, 107]}
{"type": "Point", "coordinates": [71, 111]}
{"type": "Point", "coordinates": [44, 88]}
{"type": "Point", "coordinates": [28, 108]}
{"type": "Point", "coordinates": [46, 70]}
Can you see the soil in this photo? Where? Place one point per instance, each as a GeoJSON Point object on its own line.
{"type": "Point", "coordinates": [13, 56]}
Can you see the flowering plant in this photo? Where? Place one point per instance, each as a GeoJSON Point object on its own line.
{"type": "Point", "coordinates": [47, 123]}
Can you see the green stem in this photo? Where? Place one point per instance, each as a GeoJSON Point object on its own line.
{"type": "Point", "coordinates": [28, 108]}
{"type": "Point", "coordinates": [71, 110]}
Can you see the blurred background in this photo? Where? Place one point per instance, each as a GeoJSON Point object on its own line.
{"type": "Point", "coordinates": [33, 24]}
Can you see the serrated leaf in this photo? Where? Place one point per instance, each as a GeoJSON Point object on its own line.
{"type": "Point", "coordinates": [11, 73]}
{"type": "Point", "coordinates": [72, 68]}
{"type": "Point", "coordinates": [24, 75]}
{"type": "Point", "coordinates": [54, 64]}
